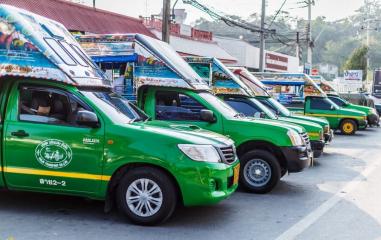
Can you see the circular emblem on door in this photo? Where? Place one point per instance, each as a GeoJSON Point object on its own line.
{"type": "Point", "coordinates": [53, 153]}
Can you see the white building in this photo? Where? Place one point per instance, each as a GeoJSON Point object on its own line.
{"type": "Point", "coordinates": [248, 56]}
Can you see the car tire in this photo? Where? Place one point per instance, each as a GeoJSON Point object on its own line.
{"type": "Point", "coordinates": [348, 127]}
{"type": "Point", "coordinates": [260, 171]}
{"type": "Point", "coordinates": [150, 187]}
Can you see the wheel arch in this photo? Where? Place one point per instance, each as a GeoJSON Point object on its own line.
{"type": "Point", "coordinates": [263, 145]}
{"type": "Point", "coordinates": [352, 119]}
{"type": "Point", "coordinates": [122, 170]}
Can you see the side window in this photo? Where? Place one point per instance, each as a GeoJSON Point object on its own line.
{"type": "Point", "coordinates": [48, 106]}
{"type": "Point", "coordinates": [320, 104]}
{"type": "Point", "coordinates": [243, 107]}
{"type": "Point", "coordinates": [177, 107]}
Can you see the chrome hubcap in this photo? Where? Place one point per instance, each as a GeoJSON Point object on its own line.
{"type": "Point", "coordinates": [257, 172]}
{"type": "Point", "coordinates": [144, 197]}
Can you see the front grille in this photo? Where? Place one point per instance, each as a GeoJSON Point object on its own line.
{"type": "Point", "coordinates": [228, 154]}
{"type": "Point", "coordinates": [306, 139]}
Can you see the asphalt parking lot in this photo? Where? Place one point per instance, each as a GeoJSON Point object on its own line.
{"type": "Point", "coordinates": [338, 198]}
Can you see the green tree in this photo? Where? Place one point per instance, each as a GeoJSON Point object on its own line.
{"type": "Point", "coordinates": [357, 60]}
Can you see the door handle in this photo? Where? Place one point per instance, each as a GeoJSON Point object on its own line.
{"type": "Point", "coordinates": [20, 133]}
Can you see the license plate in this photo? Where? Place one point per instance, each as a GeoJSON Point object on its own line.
{"type": "Point", "coordinates": [236, 174]}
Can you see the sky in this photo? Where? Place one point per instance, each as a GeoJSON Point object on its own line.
{"type": "Point", "coordinates": [331, 9]}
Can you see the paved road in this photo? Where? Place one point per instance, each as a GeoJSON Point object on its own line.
{"type": "Point", "coordinates": [337, 199]}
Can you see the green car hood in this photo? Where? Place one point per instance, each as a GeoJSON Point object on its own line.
{"type": "Point", "coordinates": [350, 112]}
{"type": "Point", "coordinates": [295, 127]}
{"type": "Point", "coordinates": [309, 126]}
{"type": "Point", "coordinates": [364, 109]}
{"type": "Point", "coordinates": [321, 121]}
{"type": "Point", "coordinates": [189, 133]}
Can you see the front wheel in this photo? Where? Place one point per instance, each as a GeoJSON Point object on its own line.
{"type": "Point", "coordinates": [146, 196]}
{"type": "Point", "coordinates": [348, 127]}
{"type": "Point", "coordinates": [260, 171]}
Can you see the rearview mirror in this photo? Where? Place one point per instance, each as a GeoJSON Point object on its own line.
{"type": "Point", "coordinates": [207, 116]}
{"type": "Point", "coordinates": [87, 118]}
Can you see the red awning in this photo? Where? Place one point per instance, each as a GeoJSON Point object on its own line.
{"type": "Point", "coordinates": [77, 17]}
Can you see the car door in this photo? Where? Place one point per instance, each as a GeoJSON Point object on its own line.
{"type": "Point", "coordinates": [181, 108]}
{"type": "Point", "coordinates": [45, 149]}
{"type": "Point", "coordinates": [321, 107]}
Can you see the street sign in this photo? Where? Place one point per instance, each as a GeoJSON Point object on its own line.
{"type": "Point", "coordinates": [354, 76]}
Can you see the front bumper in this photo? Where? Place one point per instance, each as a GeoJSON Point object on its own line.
{"type": "Point", "coordinates": [208, 185]}
{"type": "Point", "coordinates": [297, 158]}
{"type": "Point", "coordinates": [317, 145]}
{"type": "Point", "coordinates": [328, 137]}
{"type": "Point", "coordinates": [373, 119]}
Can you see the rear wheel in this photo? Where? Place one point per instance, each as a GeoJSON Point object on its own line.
{"type": "Point", "coordinates": [348, 127]}
{"type": "Point", "coordinates": [260, 171]}
{"type": "Point", "coordinates": [146, 196]}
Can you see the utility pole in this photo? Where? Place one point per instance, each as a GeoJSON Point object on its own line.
{"type": "Point", "coordinates": [94, 3]}
{"type": "Point", "coordinates": [262, 40]}
{"type": "Point", "coordinates": [166, 20]}
{"type": "Point", "coordinates": [309, 33]}
{"type": "Point", "coordinates": [298, 55]}
{"type": "Point", "coordinates": [367, 7]}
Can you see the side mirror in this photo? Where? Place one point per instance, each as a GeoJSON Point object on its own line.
{"type": "Point", "coordinates": [259, 115]}
{"type": "Point", "coordinates": [87, 118]}
{"type": "Point", "coordinates": [207, 116]}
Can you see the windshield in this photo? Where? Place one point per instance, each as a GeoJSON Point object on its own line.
{"type": "Point", "coordinates": [335, 106]}
{"type": "Point", "coordinates": [279, 107]}
{"type": "Point", "coordinates": [218, 104]}
{"type": "Point", "coordinates": [116, 107]}
{"type": "Point", "coordinates": [264, 109]}
{"type": "Point", "coordinates": [339, 102]}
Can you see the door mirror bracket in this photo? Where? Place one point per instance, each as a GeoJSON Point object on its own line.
{"type": "Point", "coordinates": [207, 116]}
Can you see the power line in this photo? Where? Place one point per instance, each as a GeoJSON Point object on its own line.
{"type": "Point", "coordinates": [277, 13]}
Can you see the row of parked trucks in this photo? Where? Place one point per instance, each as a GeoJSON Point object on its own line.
{"type": "Point", "coordinates": [168, 130]}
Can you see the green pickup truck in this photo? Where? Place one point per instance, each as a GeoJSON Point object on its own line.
{"type": "Point", "coordinates": [300, 94]}
{"type": "Point", "coordinates": [372, 114]}
{"type": "Point", "coordinates": [276, 107]}
{"type": "Point", "coordinates": [65, 132]}
{"type": "Point", "coordinates": [169, 90]}
{"type": "Point", "coordinates": [238, 95]}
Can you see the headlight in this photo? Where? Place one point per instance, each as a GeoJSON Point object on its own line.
{"type": "Point", "coordinates": [295, 138]}
{"type": "Point", "coordinates": [373, 111]}
{"type": "Point", "coordinates": [321, 135]}
{"type": "Point", "coordinates": [201, 153]}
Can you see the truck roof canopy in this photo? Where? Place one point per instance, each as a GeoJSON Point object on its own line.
{"type": "Point", "coordinates": [324, 84]}
{"type": "Point", "coordinates": [218, 76]}
{"type": "Point", "coordinates": [36, 47]}
{"type": "Point", "coordinates": [155, 62]}
{"type": "Point", "coordinates": [292, 80]}
{"type": "Point", "coordinates": [250, 80]}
